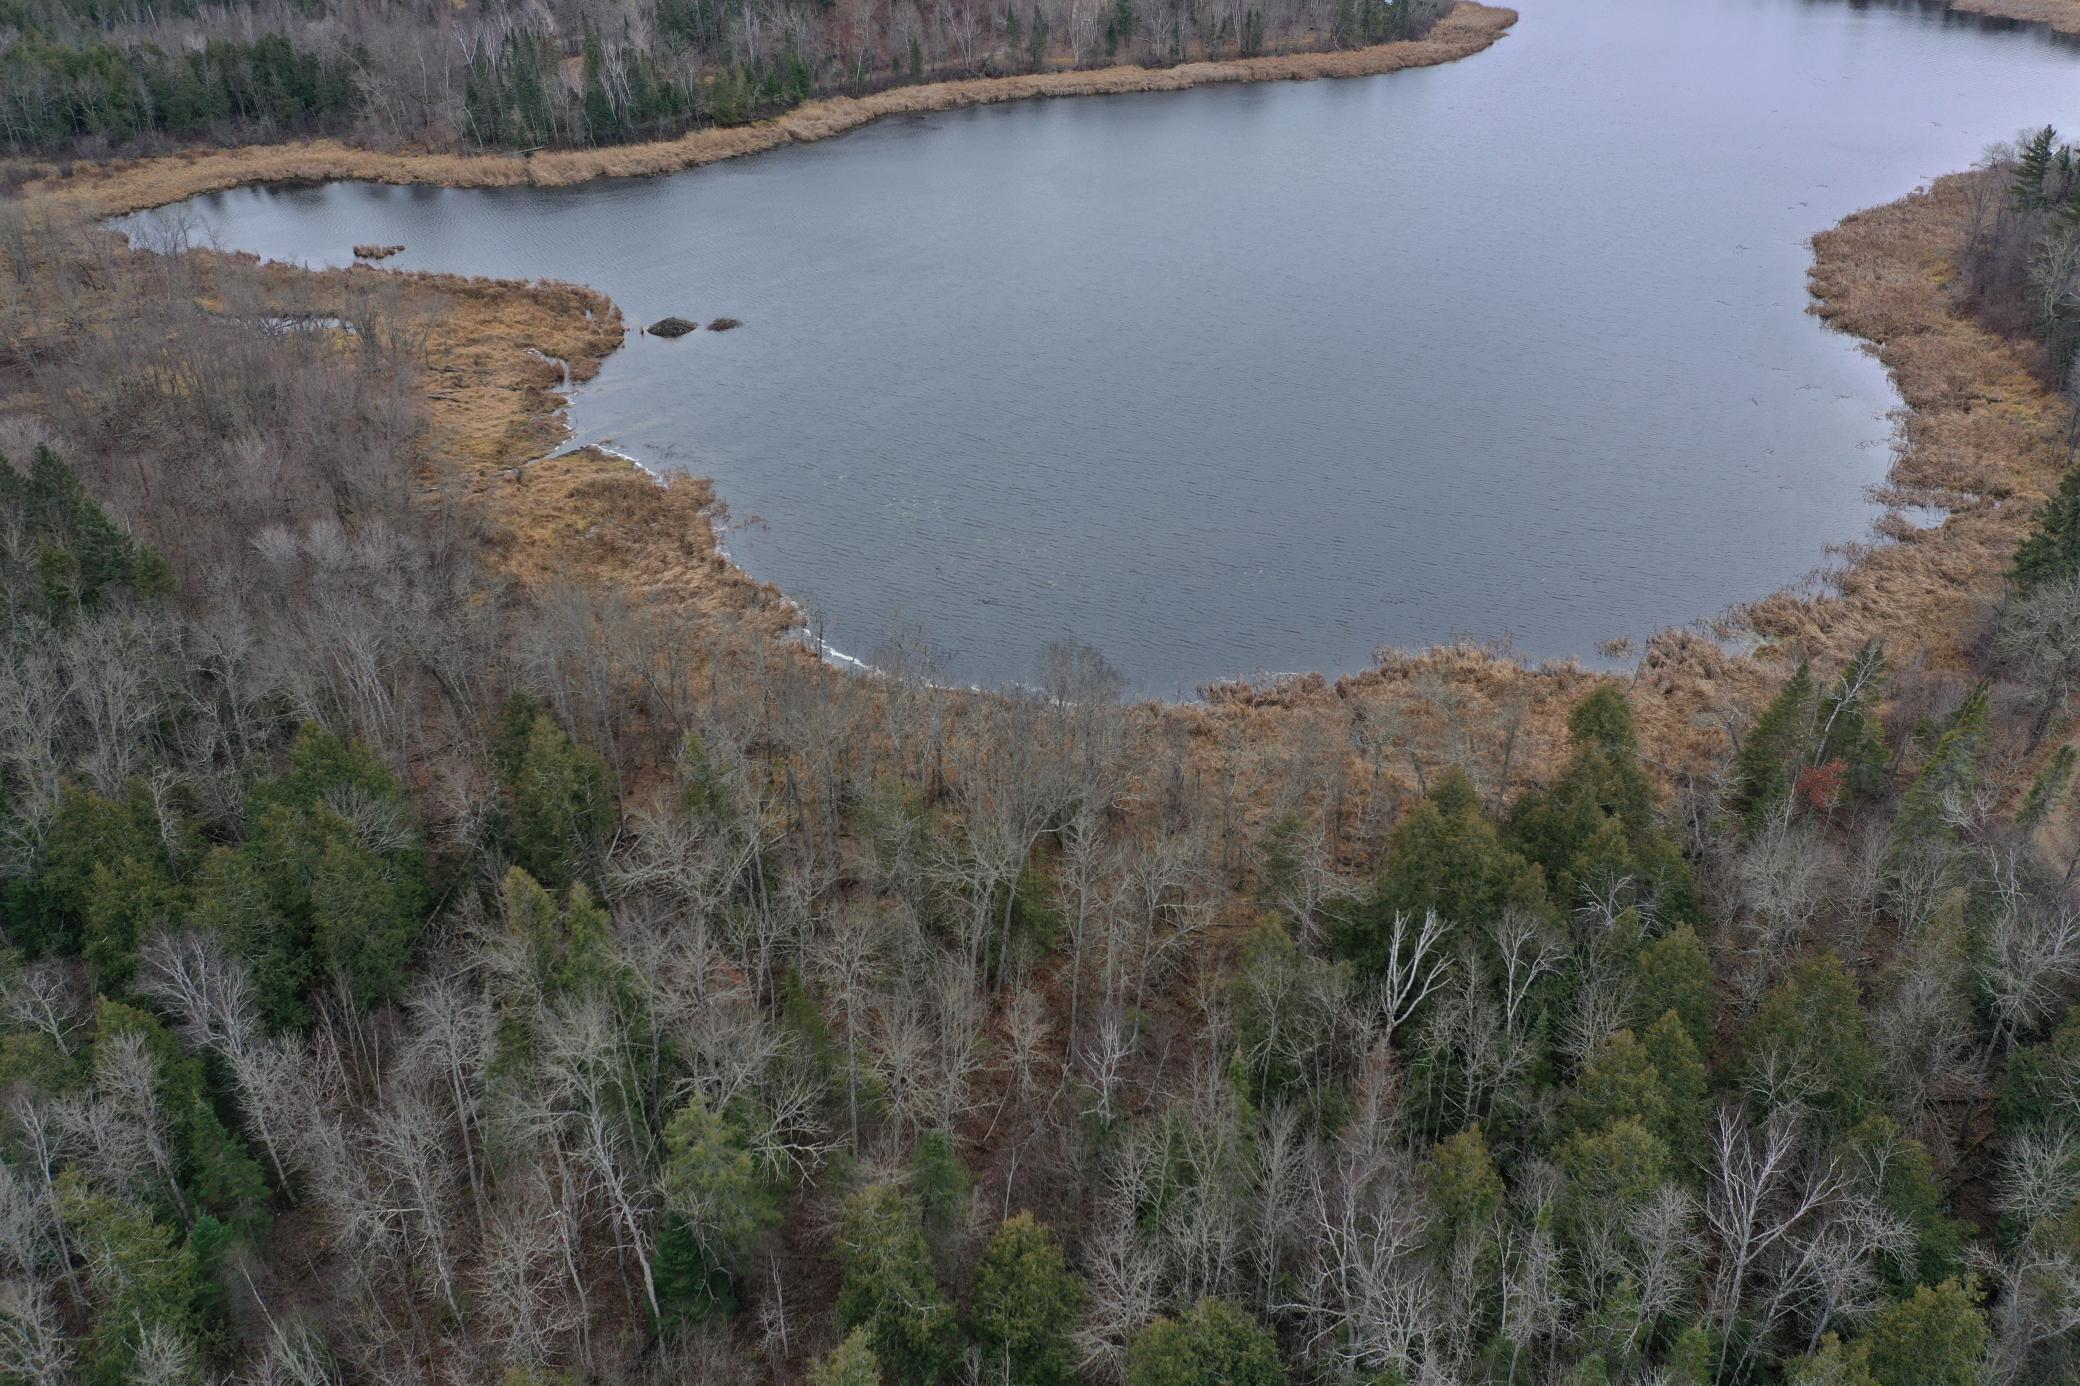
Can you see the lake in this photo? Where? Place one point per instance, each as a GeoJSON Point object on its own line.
{"type": "Point", "coordinates": [1260, 378]}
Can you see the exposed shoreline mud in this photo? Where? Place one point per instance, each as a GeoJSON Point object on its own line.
{"type": "Point", "coordinates": [117, 187]}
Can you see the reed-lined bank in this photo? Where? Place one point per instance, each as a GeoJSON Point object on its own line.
{"type": "Point", "coordinates": [127, 186]}
{"type": "Point", "coordinates": [2062, 15]}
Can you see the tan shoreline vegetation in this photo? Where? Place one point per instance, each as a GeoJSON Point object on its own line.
{"type": "Point", "coordinates": [499, 356]}
{"type": "Point", "coordinates": [2062, 15]}
{"type": "Point", "coordinates": [1981, 438]}
{"type": "Point", "coordinates": [115, 187]}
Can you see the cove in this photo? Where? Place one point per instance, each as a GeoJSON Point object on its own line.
{"type": "Point", "coordinates": [1260, 378]}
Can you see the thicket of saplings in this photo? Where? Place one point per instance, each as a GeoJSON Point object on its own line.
{"type": "Point", "coordinates": [412, 979]}
{"type": "Point", "coordinates": [87, 76]}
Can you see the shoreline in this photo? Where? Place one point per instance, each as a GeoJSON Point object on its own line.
{"type": "Point", "coordinates": [119, 187]}
{"type": "Point", "coordinates": [1979, 439]}
{"type": "Point", "coordinates": [1981, 435]}
{"type": "Point", "coordinates": [2060, 15]}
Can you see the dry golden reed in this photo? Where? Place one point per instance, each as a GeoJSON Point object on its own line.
{"type": "Point", "coordinates": [2062, 15]}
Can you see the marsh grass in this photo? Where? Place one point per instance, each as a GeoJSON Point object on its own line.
{"type": "Point", "coordinates": [2062, 15]}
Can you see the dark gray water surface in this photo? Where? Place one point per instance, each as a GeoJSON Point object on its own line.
{"type": "Point", "coordinates": [1260, 378]}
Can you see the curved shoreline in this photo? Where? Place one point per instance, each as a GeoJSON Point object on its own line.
{"type": "Point", "coordinates": [1979, 429]}
{"type": "Point", "coordinates": [115, 188]}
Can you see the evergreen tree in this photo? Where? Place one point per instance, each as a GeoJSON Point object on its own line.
{"type": "Point", "coordinates": [1767, 763]}
{"type": "Point", "coordinates": [2047, 789]}
{"type": "Point", "coordinates": [1933, 1339]}
{"type": "Point", "coordinates": [850, 1363]}
{"type": "Point", "coordinates": [601, 121]}
{"type": "Point", "coordinates": [939, 1183]}
{"type": "Point", "coordinates": [1922, 830]}
{"type": "Point", "coordinates": [1910, 1191]}
{"type": "Point", "coordinates": [889, 1289]}
{"type": "Point", "coordinates": [2032, 163]}
{"type": "Point", "coordinates": [1595, 828]}
{"type": "Point", "coordinates": [556, 797]}
{"type": "Point", "coordinates": [1609, 1170]}
{"type": "Point", "coordinates": [1025, 1307]}
{"type": "Point", "coordinates": [1675, 974]}
{"type": "Point", "coordinates": [216, 1168]}
{"type": "Point", "coordinates": [1808, 1041]}
{"type": "Point", "coordinates": [1445, 855]}
{"type": "Point", "coordinates": [717, 1205]}
{"type": "Point", "coordinates": [141, 1276]}
{"type": "Point", "coordinates": [1850, 732]}
{"type": "Point", "coordinates": [1466, 1193]}
{"type": "Point", "coordinates": [1211, 1344]}
{"type": "Point", "coordinates": [2052, 549]}
{"type": "Point", "coordinates": [47, 909]}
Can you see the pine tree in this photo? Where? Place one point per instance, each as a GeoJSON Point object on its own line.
{"type": "Point", "coordinates": [1923, 824]}
{"type": "Point", "coordinates": [601, 124]}
{"type": "Point", "coordinates": [2032, 163]}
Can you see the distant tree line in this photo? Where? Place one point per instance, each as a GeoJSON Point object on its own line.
{"type": "Point", "coordinates": [88, 76]}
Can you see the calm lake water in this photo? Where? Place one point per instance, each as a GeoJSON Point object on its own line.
{"type": "Point", "coordinates": [1252, 379]}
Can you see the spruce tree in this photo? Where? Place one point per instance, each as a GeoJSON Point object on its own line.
{"type": "Point", "coordinates": [1767, 762]}
{"type": "Point", "coordinates": [2052, 549]}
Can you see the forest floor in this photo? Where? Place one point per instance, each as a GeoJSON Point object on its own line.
{"type": "Point", "coordinates": [117, 186]}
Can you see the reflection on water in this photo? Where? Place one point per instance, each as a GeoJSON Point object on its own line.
{"type": "Point", "coordinates": [1254, 378]}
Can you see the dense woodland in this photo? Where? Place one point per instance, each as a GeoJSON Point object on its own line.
{"type": "Point", "coordinates": [87, 76]}
{"type": "Point", "coordinates": [411, 977]}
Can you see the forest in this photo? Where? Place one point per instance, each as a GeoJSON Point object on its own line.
{"type": "Point", "coordinates": [417, 974]}
{"type": "Point", "coordinates": [86, 77]}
